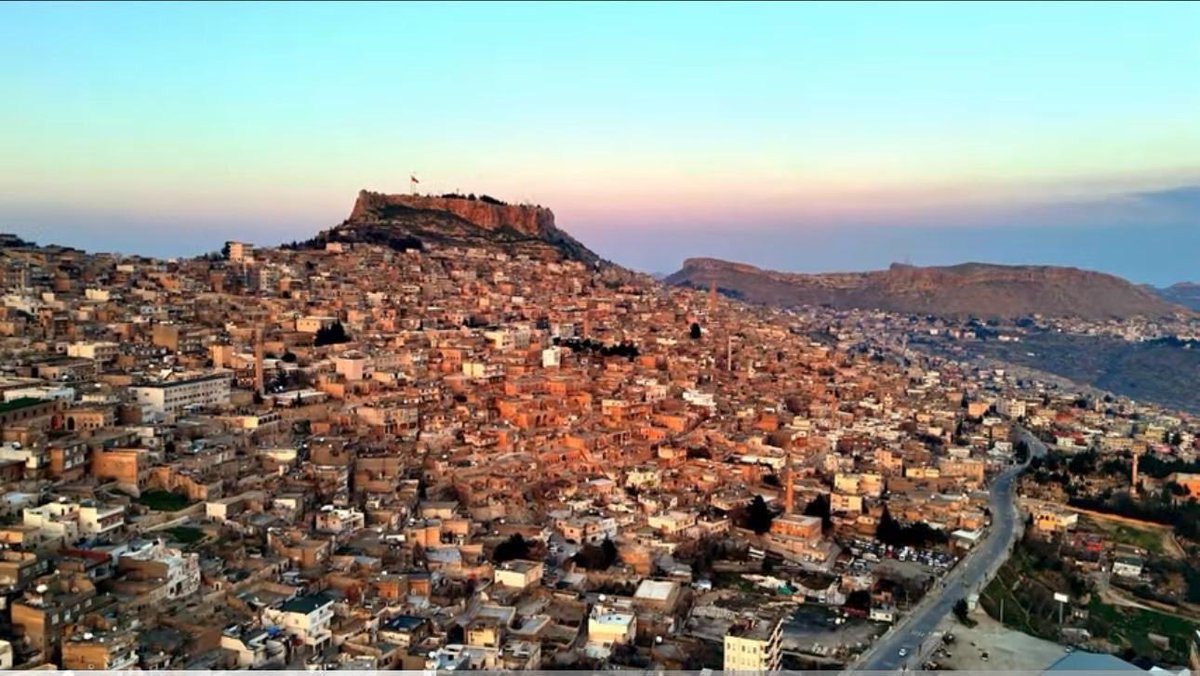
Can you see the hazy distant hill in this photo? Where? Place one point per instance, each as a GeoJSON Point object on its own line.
{"type": "Point", "coordinates": [411, 221]}
{"type": "Point", "coordinates": [970, 289]}
{"type": "Point", "coordinates": [1160, 371]}
{"type": "Point", "coordinates": [1186, 294]}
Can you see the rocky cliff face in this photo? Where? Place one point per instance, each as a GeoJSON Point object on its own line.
{"type": "Point", "coordinates": [978, 289]}
{"type": "Point", "coordinates": [416, 220]}
{"type": "Point", "coordinates": [527, 220]}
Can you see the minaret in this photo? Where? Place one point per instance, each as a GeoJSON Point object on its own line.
{"type": "Point", "coordinates": [258, 361]}
{"type": "Point", "coordinates": [789, 489]}
{"type": "Point", "coordinates": [1133, 479]}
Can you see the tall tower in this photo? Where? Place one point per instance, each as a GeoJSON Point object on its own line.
{"type": "Point", "coordinates": [789, 489]}
{"type": "Point", "coordinates": [729, 353]}
{"type": "Point", "coordinates": [1133, 478]}
{"type": "Point", "coordinates": [258, 360]}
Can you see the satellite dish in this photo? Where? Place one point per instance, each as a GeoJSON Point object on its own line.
{"type": "Point", "coordinates": [601, 597]}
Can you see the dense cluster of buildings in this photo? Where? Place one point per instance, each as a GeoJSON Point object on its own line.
{"type": "Point", "coordinates": [356, 457]}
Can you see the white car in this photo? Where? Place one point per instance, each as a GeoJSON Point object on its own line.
{"type": "Point", "coordinates": [904, 652]}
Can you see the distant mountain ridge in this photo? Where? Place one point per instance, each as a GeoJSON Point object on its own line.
{"type": "Point", "coordinates": [970, 289]}
{"type": "Point", "coordinates": [411, 221]}
{"type": "Point", "coordinates": [1186, 294]}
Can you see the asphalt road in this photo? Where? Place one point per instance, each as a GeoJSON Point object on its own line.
{"type": "Point", "coordinates": [915, 632]}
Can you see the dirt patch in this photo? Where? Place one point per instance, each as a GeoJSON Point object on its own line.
{"type": "Point", "coordinates": [1007, 649]}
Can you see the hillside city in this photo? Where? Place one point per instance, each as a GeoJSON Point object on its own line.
{"type": "Point", "coordinates": [353, 455]}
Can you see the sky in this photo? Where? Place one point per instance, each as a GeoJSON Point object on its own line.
{"type": "Point", "coordinates": [805, 137]}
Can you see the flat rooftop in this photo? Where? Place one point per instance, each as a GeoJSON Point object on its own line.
{"type": "Point", "coordinates": [655, 590]}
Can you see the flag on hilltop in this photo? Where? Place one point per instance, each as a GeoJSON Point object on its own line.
{"type": "Point", "coordinates": [413, 179]}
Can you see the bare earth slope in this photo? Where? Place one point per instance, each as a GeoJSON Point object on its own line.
{"type": "Point", "coordinates": [976, 289]}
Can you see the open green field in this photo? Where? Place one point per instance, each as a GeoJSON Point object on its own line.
{"type": "Point", "coordinates": [1133, 626]}
{"type": "Point", "coordinates": [1155, 540]}
{"type": "Point", "coordinates": [1026, 593]}
{"type": "Point", "coordinates": [1027, 599]}
{"type": "Point", "coordinates": [1149, 540]}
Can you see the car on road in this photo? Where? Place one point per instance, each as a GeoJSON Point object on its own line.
{"type": "Point", "coordinates": [904, 652]}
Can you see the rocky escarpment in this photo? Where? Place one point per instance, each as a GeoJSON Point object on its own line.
{"type": "Point", "coordinates": [532, 221]}
{"type": "Point", "coordinates": [970, 289]}
{"type": "Point", "coordinates": [415, 220]}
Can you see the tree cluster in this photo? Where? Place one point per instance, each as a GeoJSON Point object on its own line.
{"type": "Point", "coordinates": [624, 349]}
{"type": "Point", "coordinates": [1022, 451]}
{"type": "Point", "coordinates": [592, 557]}
{"type": "Point", "coordinates": [515, 547]}
{"type": "Point", "coordinates": [1162, 508]}
{"type": "Point", "coordinates": [918, 535]}
{"type": "Point", "coordinates": [819, 506]}
{"type": "Point", "coordinates": [333, 334]}
{"type": "Point", "coordinates": [758, 516]}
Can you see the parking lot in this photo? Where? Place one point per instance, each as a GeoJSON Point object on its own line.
{"type": "Point", "coordinates": [824, 632]}
{"type": "Point", "coordinates": [871, 550]}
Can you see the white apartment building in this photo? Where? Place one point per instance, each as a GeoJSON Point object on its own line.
{"type": "Point", "coordinates": [182, 571]}
{"type": "Point", "coordinates": [70, 521]}
{"type": "Point", "coordinates": [754, 645]}
{"type": "Point", "coordinates": [305, 617]}
{"type": "Point", "coordinates": [178, 395]}
{"type": "Point", "coordinates": [607, 628]}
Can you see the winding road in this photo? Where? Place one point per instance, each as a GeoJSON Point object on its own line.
{"type": "Point", "coordinates": [970, 575]}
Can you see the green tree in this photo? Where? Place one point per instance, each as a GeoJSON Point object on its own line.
{"type": "Point", "coordinates": [592, 557]}
{"type": "Point", "coordinates": [515, 547]}
{"type": "Point", "coordinates": [819, 506]}
{"type": "Point", "coordinates": [759, 516]}
{"type": "Point", "coordinates": [333, 334]}
{"type": "Point", "coordinates": [1022, 451]}
{"type": "Point", "coordinates": [961, 611]}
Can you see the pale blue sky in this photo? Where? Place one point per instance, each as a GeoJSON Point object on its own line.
{"type": "Point", "coordinates": [167, 128]}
